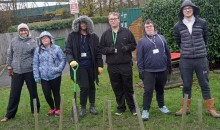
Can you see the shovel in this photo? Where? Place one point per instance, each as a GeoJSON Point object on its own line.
{"type": "Point", "coordinates": [74, 88]}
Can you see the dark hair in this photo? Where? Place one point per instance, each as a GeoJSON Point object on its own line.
{"type": "Point", "coordinates": [148, 21]}
{"type": "Point", "coordinates": [40, 49]}
{"type": "Point", "coordinates": [41, 44]}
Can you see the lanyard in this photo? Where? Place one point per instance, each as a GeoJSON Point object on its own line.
{"type": "Point", "coordinates": [83, 41]}
{"type": "Point", "coordinates": [114, 37]}
{"type": "Point", "coordinates": [155, 42]}
{"type": "Point", "coordinates": [155, 46]}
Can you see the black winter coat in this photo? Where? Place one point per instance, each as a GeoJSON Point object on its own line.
{"type": "Point", "coordinates": [192, 45]}
{"type": "Point", "coordinates": [72, 51]}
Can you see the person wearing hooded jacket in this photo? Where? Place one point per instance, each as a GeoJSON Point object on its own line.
{"type": "Point", "coordinates": [19, 62]}
{"type": "Point", "coordinates": [191, 35]}
{"type": "Point", "coordinates": [154, 62]}
{"type": "Point", "coordinates": [48, 64]}
{"type": "Point", "coordinates": [82, 48]}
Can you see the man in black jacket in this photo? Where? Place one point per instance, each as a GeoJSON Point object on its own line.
{"type": "Point", "coordinates": [82, 49]}
{"type": "Point", "coordinates": [191, 34]}
{"type": "Point", "coordinates": [117, 43]}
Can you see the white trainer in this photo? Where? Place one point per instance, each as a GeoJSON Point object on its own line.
{"type": "Point", "coordinates": [165, 110]}
{"type": "Point", "coordinates": [145, 115]}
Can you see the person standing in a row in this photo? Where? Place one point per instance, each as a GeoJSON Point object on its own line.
{"type": "Point", "coordinates": [191, 35]}
{"type": "Point", "coordinates": [117, 43]}
{"type": "Point", "coordinates": [48, 64]}
{"type": "Point", "coordinates": [82, 48]}
{"type": "Point", "coordinates": [154, 63]}
{"type": "Point", "coordinates": [19, 61]}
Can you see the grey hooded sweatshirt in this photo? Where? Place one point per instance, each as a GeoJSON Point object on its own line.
{"type": "Point", "coordinates": [191, 45]}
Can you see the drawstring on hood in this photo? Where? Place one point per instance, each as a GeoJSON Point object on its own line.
{"type": "Point", "coordinates": [196, 10]}
{"type": "Point", "coordinates": [85, 19]}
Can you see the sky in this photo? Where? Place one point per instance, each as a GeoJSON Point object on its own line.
{"type": "Point", "coordinates": [32, 4]}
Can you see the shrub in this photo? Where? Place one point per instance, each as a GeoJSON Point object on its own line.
{"type": "Point", "coordinates": [56, 24]}
{"type": "Point", "coordinates": [165, 14]}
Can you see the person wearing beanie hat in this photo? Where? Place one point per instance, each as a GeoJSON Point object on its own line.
{"type": "Point", "coordinates": [48, 64]}
{"type": "Point", "coordinates": [191, 35]}
{"type": "Point", "coordinates": [23, 30]}
{"type": "Point", "coordinates": [19, 63]}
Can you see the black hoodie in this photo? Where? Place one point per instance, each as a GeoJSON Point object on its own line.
{"type": "Point", "coordinates": [191, 45]}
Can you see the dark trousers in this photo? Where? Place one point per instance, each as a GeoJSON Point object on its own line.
{"type": "Point", "coordinates": [49, 87]}
{"type": "Point", "coordinates": [122, 85]}
{"type": "Point", "coordinates": [201, 68]}
{"type": "Point", "coordinates": [17, 82]}
{"type": "Point", "coordinates": [157, 81]}
{"type": "Point", "coordinates": [87, 86]}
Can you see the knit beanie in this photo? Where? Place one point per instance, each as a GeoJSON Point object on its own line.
{"type": "Point", "coordinates": [22, 25]}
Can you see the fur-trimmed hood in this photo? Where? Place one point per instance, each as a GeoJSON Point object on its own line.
{"type": "Point", "coordinates": [87, 20]}
{"type": "Point", "coordinates": [196, 10]}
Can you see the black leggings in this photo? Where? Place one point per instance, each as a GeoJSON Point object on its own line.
{"type": "Point", "coordinates": [54, 87]}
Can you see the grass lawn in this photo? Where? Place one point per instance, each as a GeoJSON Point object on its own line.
{"type": "Point", "coordinates": [25, 120]}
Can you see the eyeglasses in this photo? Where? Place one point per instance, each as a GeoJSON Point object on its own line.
{"type": "Point", "coordinates": [45, 37]}
{"type": "Point", "coordinates": [23, 30]}
{"type": "Point", "coordinates": [149, 26]}
{"type": "Point", "coordinates": [113, 19]}
{"type": "Point", "coordinates": [187, 8]}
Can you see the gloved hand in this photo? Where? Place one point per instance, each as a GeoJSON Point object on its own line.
{"type": "Point", "coordinates": [56, 69]}
{"type": "Point", "coordinates": [73, 63]}
{"type": "Point", "coordinates": [169, 71]}
{"type": "Point", "coordinates": [124, 48]}
{"type": "Point", "coordinates": [37, 80]}
{"type": "Point", "coordinates": [10, 72]}
{"type": "Point", "coordinates": [113, 50]}
{"type": "Point", "coordinates": [99, 70]}
{"type": "Point", "coordinates": [141, 75]}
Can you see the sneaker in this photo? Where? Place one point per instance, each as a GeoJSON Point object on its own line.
{"type": "Point", "coordinates": [93, 111]}
{"type": "Point", "coordinates": [119, 112]}
{"type": "Point", "coordinates": [57, 112]}
{"type": "Point", "coordinates": [82, 112]}
{"type": "Point", "coordinates": [134, 112]}
{"type": "Point", "coordinates": [145, 115]}
{"type": "Point", "coordinates": [165, 110]}
{"type": "Point", "coordinates": [51, 112]}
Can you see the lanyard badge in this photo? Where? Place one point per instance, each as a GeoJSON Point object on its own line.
{"type": "Point", "coordinates": [114, 37]}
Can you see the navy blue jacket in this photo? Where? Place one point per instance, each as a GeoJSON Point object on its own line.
{"type": "Point", "coordinates": [150, 62]}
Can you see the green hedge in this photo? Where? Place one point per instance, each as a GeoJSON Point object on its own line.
{"type": "Point", "coordinates": [165, 14]}
{"type": "Point", "coordinates": [56, 24]}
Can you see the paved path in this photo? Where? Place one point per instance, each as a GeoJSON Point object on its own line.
{"type": "Point", "coordinates": [5, 80]}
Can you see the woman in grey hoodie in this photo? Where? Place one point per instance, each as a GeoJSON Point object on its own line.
{"type": "Point", "coordinates": [19, 61]}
